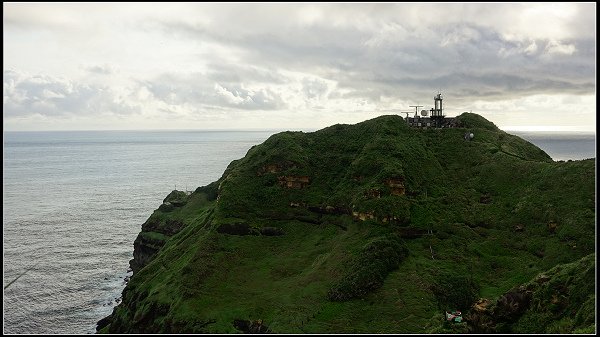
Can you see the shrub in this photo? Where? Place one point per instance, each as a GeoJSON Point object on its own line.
{"type": "Point", "coordinates": [455, 291]}
{"type": "Point", "coordinates": [368, 270]}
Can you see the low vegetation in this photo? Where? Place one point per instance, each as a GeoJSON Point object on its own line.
{"type": "Point", "coordinates": [370, 228]}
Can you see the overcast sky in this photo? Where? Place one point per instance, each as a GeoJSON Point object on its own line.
{"type": "Point", "coordinates": [295, 66]}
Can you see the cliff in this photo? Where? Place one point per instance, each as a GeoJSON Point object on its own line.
{"type": "Point", "coordinates": [367, 228]}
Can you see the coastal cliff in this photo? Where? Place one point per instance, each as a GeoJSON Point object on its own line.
{"type": "Point", "coordinates": [157, 230]}
{"type": "Point", "coordinates": [368, 228]}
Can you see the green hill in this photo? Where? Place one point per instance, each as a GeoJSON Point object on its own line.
{"type": "Point", "coordinates": [367, 228]}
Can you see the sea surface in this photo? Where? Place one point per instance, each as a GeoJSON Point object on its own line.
{"type": "Point", "coordinates": [562, 145]}
{"type": "Point", "coordinates": [73, 203]}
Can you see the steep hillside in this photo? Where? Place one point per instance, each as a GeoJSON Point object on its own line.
{"type": "Point", "coordinates": [366, 228]}
{"type": "Point", "coordinates": [560, 300]}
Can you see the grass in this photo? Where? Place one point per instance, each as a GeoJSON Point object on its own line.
{"type": "Point", "coordinates": [330, 273]}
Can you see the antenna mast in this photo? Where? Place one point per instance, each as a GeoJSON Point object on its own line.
{"type": "Point", "coordinates": [416, 109]}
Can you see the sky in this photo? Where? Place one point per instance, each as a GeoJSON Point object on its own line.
{"type": "Point", "coordinates": [295, 66]}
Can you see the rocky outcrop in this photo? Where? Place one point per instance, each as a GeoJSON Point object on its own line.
{"type": "Point", "coordinates": [156, 231]}
{"type": "Point", "coordinates": [177, 198]}
{"type": "Point", "coordinates": [396, 185]}
{"type": "Point", "coordinates": [553, 296]}
{"type": "Point", "coordinates": [144, 250]}
{"type": "Point", "coordinates": [363, 216]}
{"type": "Point", "coordinates": [370, 215]}
{"type": "Point", "coordinates": [295, 182]}
{"type": "Point", "coordinates": [373, 194]}
{"type": "Point", "coordinates": [513, 304]}
{"type": "Point", "coordinates": [167, 227]}
{"type": "Point", "coordinates": [485, 315]}
{"type": "Point", "coordinates": [103, 323]}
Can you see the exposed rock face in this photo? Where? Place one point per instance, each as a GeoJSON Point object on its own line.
{"type": "Point", "coordinates": [363, 216]}
{"type": "Point", "coordinates": [169, 227]}
{"type": "Point", "coordinates": [396, 185]}
{"type": "Point", "coordinates": [103, 322]}
{"type": "Point", "coordinates": [144, 251]}
{"type": "Point", "coordinates": [560, 298]}
{"type": "Point", "coordinates": [296, 182]}
{"type": "Point", "coordinates": [373, 193]}
{"type": "Point", "coordinates": [481, 305]}
{"type": "Point", "coordinates": [151, 239]}
{"type": "Point", "coordinates": [485, 315]}
{"type": "Point", "coordinates": [512, 304]}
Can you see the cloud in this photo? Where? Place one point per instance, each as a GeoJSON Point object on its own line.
{"type": "Point", "coordinates": [207, 91]}
{"type": "Point", "coordinates": [557, 47]}
{"type": "Point", "coordinates": [398, 59]}
{"type": "Point", "coordinates": [100, 69]}
{"type": "Point", "coordinates": [25, 95]}
{"type": "Point", "coordinates": [200, 60]}
{"type": "Point", "coordinates": [315, 88]}
{"type": "Point", "coordinates": [243, 98]}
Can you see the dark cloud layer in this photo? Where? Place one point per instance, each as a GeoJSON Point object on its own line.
{"type": "Point", "coordinates": [465, 58]}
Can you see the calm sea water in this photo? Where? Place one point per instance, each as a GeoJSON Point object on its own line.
{"type": "Point", "coordinates": [75, 201]}
{"type": "Point", "coordinates": [562, 145]}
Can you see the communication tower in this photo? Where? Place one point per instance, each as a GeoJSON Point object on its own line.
{"type": "Point", "coordinates": [437, 113]}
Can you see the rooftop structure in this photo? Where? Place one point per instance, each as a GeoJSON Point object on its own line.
{"type": "Point", "coordinates": [433, 118]}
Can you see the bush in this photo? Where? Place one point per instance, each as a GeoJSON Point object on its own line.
{"type": "Point", "coordinates": [176, 198]}
{"type": "Point", "coordinates": [455, 291]}
{"type": "Point", "coordinates": [368, 270]}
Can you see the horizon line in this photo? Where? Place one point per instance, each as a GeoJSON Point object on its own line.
{"type": "Point", "coordinates": [510, 128]}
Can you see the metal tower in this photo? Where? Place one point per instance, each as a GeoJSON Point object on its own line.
{"type": "Point", "coordinates": [416, 109]}
{"type": "Point", "coordinates": [437, 113]}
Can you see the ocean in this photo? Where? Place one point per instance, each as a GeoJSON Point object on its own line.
{"type": "Point", "coordinates": [562, 145]}
{"type": "Point", "coordinates": [75, 201]}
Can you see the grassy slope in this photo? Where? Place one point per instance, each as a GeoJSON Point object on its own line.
{"type": "Point", "coordinates": [202, 280]}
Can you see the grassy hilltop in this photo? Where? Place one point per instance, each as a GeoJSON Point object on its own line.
{"type": "Point", "coordinates": [372, 228]}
